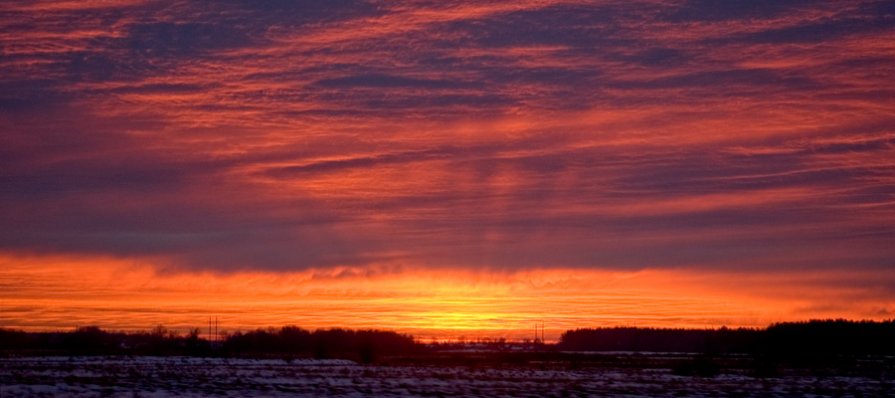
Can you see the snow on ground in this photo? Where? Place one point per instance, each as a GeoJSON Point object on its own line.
{"type": "Point", "coordinates": [221, 377]}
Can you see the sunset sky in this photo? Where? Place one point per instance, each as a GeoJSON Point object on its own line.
{"type": "Point", "coordinates": [446, 168]}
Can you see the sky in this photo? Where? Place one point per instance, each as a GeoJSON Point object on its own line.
{"type": "Point", "coordinates": [446, 168]}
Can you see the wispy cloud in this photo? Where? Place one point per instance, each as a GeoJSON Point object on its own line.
{"type": "Point", "coordinates": [286, 136]}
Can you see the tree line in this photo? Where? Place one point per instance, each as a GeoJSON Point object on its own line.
{"type": "Point", "coordinates": [808, 340]}
{"type": "Point", "coordinates": [286, 342]}
{"type": "Point", "coordinates": [790, 339]}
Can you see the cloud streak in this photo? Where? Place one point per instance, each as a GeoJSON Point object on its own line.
{"type": "Point", "coordinates": [611, 135]}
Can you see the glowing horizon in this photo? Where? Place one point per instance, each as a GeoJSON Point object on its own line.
{"type": "Point", "coordinates": [446, 167]}
{"type": "Point", "coordinates": [429, 304]}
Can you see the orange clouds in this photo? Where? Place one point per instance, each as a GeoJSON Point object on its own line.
{"type": "Point", "coordinates": [60, 293]}
{"type": "Point", "coordinates": [235, 139]}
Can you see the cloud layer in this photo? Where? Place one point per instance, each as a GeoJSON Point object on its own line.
{"type": "Point", "coordinates": [530, 134]}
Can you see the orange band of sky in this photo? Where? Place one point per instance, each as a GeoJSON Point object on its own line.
{"type": "Point", "coordinates": [57, 293]}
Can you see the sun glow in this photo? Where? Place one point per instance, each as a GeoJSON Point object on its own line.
{"type": "Point", "coordinates": [60, 293]}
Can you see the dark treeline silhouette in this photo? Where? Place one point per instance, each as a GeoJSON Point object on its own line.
{"type": "Point", "coordinates": [361, 345]}
{"type": "Point", "coordinates": [810, 339]}
{"type": "Point", "coordinates": [91, 340]}
{"type": "Point", "coordinates": [661, 340]}
{"type": "Point", "coordinates": [288, 342]}
{"type": "Point", "coordinates": [839, 337]}
{"type": "Point", "coordinates": [809, 342]}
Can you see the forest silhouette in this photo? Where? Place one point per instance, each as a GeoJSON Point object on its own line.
{"type": "Point", "coordinates": [794, 342]}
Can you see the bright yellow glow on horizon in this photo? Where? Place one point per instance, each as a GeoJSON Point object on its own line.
{"type": "Point", "coordinates": [52, 293]}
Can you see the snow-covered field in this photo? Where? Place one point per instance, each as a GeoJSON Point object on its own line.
{"type": "Point", "coordinates": [193, 377]}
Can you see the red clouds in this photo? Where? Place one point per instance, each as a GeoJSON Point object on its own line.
{"type": "Point", "coordinates": [293, 136]}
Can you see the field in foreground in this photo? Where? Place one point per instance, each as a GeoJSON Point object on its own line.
{"type": "Point", "coordinates": [185, 376]}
